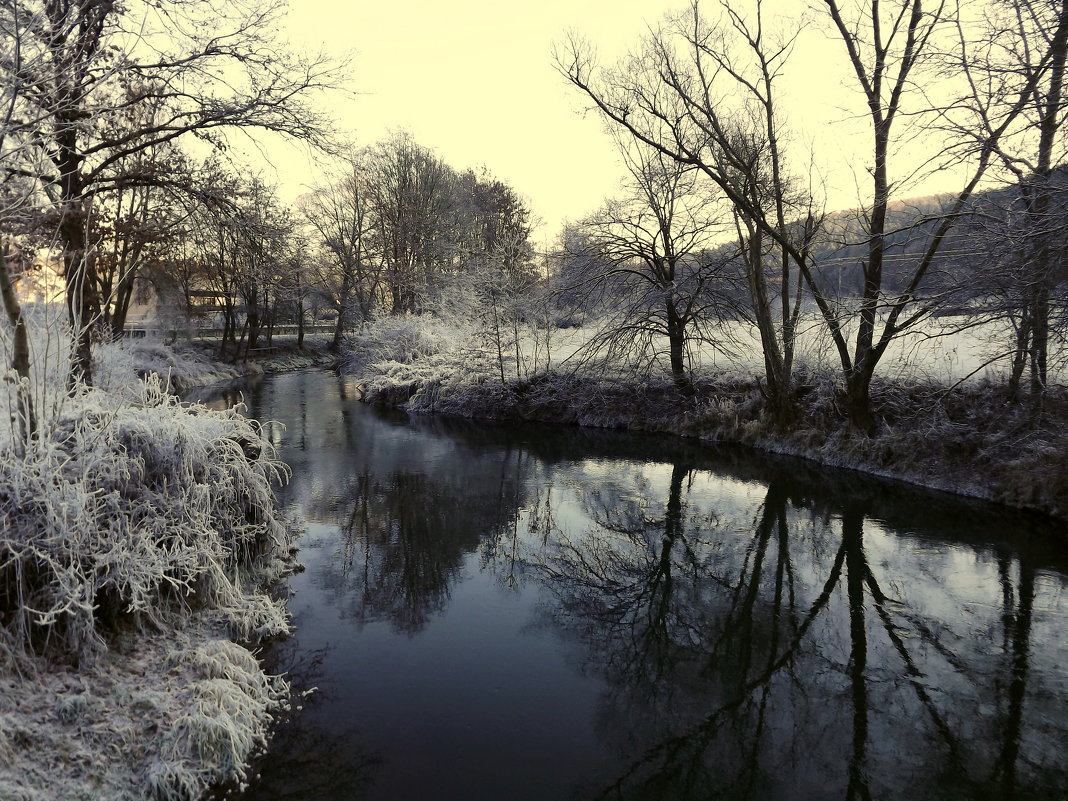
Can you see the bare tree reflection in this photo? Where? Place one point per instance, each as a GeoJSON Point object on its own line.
{"type": "Point", "coordinates": [1017, 617]}
{"type": "Point", "coordinates": [814, 681]}
{"type": "Point", "coordinates": [761, 632]}
{"type": "Point", "coordinates": [405, 536]}
{"type": "Point", "coordinates": [617, 583]}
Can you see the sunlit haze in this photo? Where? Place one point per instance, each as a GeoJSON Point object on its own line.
{"type": "Point", "coordinates": [474, 80]}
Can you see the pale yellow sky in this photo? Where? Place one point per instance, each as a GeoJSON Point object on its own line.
{"type": "Point", "coordinates": [474, 80]}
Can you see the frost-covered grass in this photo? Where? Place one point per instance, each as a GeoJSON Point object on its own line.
{"type": "Point", "coordinates": [117, 364]}
{"type": "Point", "coordinates": [133, 509]}
{"type": "Point", "coordinates": [162, 718]}
{"type": "Point", "coordinates": [950, 350]}
{"type": "Point", "coordinates": [137, 535]}
{"type": "Point", "coordinates": [403, 339]}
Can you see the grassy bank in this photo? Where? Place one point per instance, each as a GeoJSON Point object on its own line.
{"type": "Point", "coordinates": [965, 439]}
{"type": "Point", "coordinates": [137, 539]}
{"type": "Point", "coordinates": [196, 364]}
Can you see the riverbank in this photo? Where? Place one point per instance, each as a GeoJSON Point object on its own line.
{"type": "Point", "coordinates": [965, 440]}
{"type": "Point", "coordinates": [197, 364]}
{"type": "Point", "coordinates": [139, 539]}
{"type": "Point", "coordinates": [164, 715]}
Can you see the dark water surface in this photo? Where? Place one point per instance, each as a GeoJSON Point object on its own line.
{"type": "Point", "coordinates": [554, 613]}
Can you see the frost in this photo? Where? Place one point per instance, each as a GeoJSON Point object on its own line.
{"type": "Point", "coordinates": [404, 339]}
{"type": "Point", "coordinates": [134, 510]}
{"type": "Point", "coordinates": [117, 364]}
{"type": "Point", "coordinates": [135, 532]}
{"type": "Point", "coordinates": [936, 429]}
{"type": "Point", "coordinates": [73, 708]}
{"type": "Point", "coordinates": [225, 721]}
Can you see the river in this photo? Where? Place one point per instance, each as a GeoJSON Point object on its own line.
{"type": "Point", "coordinates": [537, 612]}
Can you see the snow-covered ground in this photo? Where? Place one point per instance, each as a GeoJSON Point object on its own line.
{"type": "Point", "coordinates": [947, 352]}
{"type": "Point", "coordinates": [176, 712]}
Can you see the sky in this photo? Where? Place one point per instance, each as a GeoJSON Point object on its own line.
{"type": "Point", "coordinates": [474, 80]}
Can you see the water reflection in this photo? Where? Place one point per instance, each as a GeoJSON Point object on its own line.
{"type": "Point", "coordinates": [308, 760]}
{"type": "Point", "coordinates": [769, 662]}
{"type": "Point", "coordinates": [403, 537]}
{"type": "Point", "coordinates": [700, 624]}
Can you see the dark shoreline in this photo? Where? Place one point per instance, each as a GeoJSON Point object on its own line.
{"type": "Point", "coordinates": [982, 448]}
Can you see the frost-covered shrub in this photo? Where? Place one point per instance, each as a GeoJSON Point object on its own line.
{"type": "Point", "coordinates": [394, 383]}
{"type": "Point", "coordinates": [124, 512]}
{"type": "Point", "coordinates": [134, 509]}
{"type": "Point", "coordinates": [403, 338]}
{"type": "Point", "coordinates": [420, 383]}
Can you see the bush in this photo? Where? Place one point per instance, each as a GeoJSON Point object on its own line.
{"type": "Point", "coordinates": [135, 511]}
{"type": "Point", "coordinates": [131, 525]}
{"type": "Point", "coordinates": [228, 710]}
{"type": "Point", "coordinates": [404, 339]}
{"type": "Point", "coordinates": [118, 364]}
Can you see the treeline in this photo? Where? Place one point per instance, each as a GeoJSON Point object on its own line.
{"type": "Point", "coordinates": [99, 101]}
{"type": "Point", "coordinates": [397, 229]}
{"type": "Point", "coordinates": [389, 232]}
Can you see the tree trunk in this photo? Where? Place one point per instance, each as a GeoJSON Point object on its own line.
{"type": "Point", "coordinates": [252, 325]}
{"type": "Point", "coordinates": [26, 427]}
{"type": "Point", "coordinates": [83, 302]}
{"type": "Point", "coordinates": [778, 394]}
{"type": "Point", "coordinates": [339, 327]}
{"type": "Point", "coordinates": [121, 307]}
{"type": "Point", "coordinates": [500, 345]}
{"type": "Point", "coordinates": [229, 324]}
{"type": "Point", "coordinates": [82, 313]}
{"type": "Point", "coordinates": [1040, 338]}
{"type": "Point", "coordinates": [858, 400]}
{"type": "Point", "coordinates": [1019, 358]}
{"type": "Point", "coordinates": [677, 350]}
{"type": "Point", "coordinates": [300, 324]}
{"type": "Point", "coordinates": [241, 341]}
{"type": "Point", "coordinates": [344, 303]}
{"type": "Point", "coordinates": [269, 326]}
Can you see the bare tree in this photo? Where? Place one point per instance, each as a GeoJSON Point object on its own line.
{"type": "Point", "coordinates": [351, 271]}
{"type": "Point", "coordinates": [207, 66]}
{"type": "Point", "coordinates": [133, 224]}
{"type": "Point", "coordinates": [672, 96]}
{"type": "Point", "coordinates": [705, 96]}
{"type": "Point", "coordinates": [240, 245]}
{"type": "Point", "coordinates": [14, 196]}
{"type": "Point", "coordinates": [494, 222]}
{"type": "Point", "coordinates": [1020, 49]}
{"type": "Point", "coordinates": [410, 189]}
{"type": "Point", "coordinates": [261, 230]}
{"type": "Point", "coordinates": [648, 261]}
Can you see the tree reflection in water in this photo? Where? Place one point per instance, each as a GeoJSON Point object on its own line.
{"type": "Point", "coordinates": [755, 630]}
{"type": "Point", "coordinates": [778, 667]}
{"type": "Point", "coordinates": [405, 535]}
